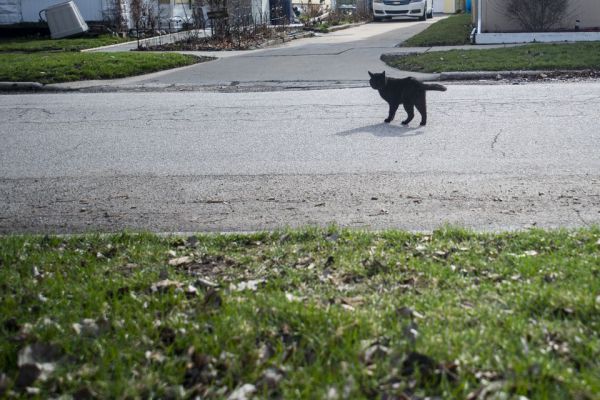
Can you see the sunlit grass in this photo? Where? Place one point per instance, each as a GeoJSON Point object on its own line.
{"type": "Point", "coordinates": [303, 314]}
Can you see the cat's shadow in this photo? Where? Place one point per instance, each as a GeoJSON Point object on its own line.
{"type": "Point", "coordinates": [385, 130]}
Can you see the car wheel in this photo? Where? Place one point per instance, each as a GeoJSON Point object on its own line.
{"type": "Point", "coordinates": [377, 19]}
{"type": "Point", "coordinates": [424, 16]}
{"type": "Point", "coordinates": [430, 14]}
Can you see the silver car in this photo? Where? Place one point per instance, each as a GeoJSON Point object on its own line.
{"type": "Point", "coordinates": [388, 9]}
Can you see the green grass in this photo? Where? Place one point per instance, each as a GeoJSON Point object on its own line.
{"type": "Point", "coordinates": [54, 61]}
{"type": "Point", "coordinates": [451, 31]}
{"type": "Point", "coordinates": [574, 56]}
{"type": "Point", "coordinates": [302, 314]}
{"type": "Point", "coordinates": [66, 67]}
{"type": "Point", "coordinates": [46, 45]}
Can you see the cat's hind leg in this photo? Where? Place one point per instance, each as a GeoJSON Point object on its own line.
{"type": "Point", "coordinates": [410, 110]}
{"type": "Point", "coordinates": [393, 109]}
{"type": "Point", "coordinates": [422, 107]}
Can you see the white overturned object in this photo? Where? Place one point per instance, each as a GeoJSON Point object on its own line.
{"type": "Point", "coordinates": [64, 20]}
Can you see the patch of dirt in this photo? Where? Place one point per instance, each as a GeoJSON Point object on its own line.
{"type": "Point", "coordinates": [220, 44]}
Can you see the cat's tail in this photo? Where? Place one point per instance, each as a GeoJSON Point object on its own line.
{"type": "Point", "coordinates": [434, 86]}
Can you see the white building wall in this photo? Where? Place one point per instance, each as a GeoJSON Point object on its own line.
{"type": "Point", "coordinates": [15, 11]}
{"type": "Point", "coordinates": [10, 11]}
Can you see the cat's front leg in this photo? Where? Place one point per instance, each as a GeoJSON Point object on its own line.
{"type": "Point", "coordinates": [393, 108]}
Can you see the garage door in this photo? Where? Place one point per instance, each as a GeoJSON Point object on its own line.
{"type": "Point", "coordinates": [438, 6]}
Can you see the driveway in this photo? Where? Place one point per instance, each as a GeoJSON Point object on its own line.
{"type": "Point", "coordinates": [337, 59]}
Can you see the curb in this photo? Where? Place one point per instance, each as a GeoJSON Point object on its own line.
{"type": "Point", "coordinates": [31, 87]}
{"type": "Point", "coordinates": [444, 77]}
{"type": "Point", "coordinates": [21, 86]}
{"type": "Point", "coordinates": [498, 75]}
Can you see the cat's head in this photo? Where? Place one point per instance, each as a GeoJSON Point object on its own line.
{"type": "Point", "coordinates": [377, 80]}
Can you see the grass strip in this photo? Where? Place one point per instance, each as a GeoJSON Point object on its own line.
{"type": "Point", "coordinates": [575, 56]}
{"type": "Point", "coordinates": [451, 31]}
{"type": "Point", "coordinates": [46, 45]}
{"type": "Point", "coordinates": [302, 314]}
{"type": "Point", "coordinates": [66, 67]}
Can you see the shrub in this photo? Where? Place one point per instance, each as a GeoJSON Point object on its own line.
{"type": "Point", "coordinates": [537, 15]}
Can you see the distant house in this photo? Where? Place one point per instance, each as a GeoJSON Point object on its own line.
{"type": "Point", "coordinates": [581, 22]}
{"type": "Point", "coordinates": [170, 13]}
{"type": "Point", "coordinates": [449, 6]}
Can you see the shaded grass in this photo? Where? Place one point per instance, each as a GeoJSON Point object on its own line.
{"type": "Point", "coordinates": [306, 313]}
{"type": "Point", "coordinates": [46, 45]}
{"type": "Point", "coordinates": [576, 56]}
{"type": "Point", "coordinates": [451, 31]}
{"type": "Point", "coordinates": [66, 67]}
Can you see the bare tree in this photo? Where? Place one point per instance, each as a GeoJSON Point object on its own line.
{"type": "Point", "coordinates": [114, 16]}
{"type": "Point", "coordinates": [537, 15]}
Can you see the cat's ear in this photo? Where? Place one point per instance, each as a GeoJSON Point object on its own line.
{"type": "Point", "coordinates": [370, 74]}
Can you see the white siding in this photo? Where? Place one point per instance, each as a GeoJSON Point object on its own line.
{"type": "Point", "coordinates": [10, 11]}
{"type": "Point", "coordinates": [91, 10]}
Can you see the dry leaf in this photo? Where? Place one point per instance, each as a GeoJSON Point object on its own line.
{"type": "Point", "coordinates": [37, 361]}
{"type": "Point", "coordinates": [155, 356]}
{"type": "Point", "coordinates": [251, 285]}
{"type": "Point", "coordinates": [270, 378]}
{"type": "Point", "coordinates": [176, 262]}
{"type": "Point", "coordinates": [165, 285]}
{"type": "Point", "coordinates": [244, 392]}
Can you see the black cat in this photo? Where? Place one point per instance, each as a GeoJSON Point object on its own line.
{"type": "Point", "coordinates": [408, 92]}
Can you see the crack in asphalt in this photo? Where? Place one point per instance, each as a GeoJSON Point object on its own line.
{"type": "Point", "coordinates": [581, 218]}
{"type": "Point", "coordinates": [495, 141]}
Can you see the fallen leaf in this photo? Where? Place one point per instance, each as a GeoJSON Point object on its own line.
{"type": "Point", "coordinates": [417, 362]}
{"type": "Point", "coordinates": [190, 291]}
{"type": "Point", "coordinates": [87, 327]}
{"type": "Point", "coordinates": [264, 353]}
{"type": "Point", "coordinates": [167, 335]}
{"type": "Point", "coordinates": [270, 378]}
{"type": "Point", "coordinates": [421, 247]}
{"type": "Point", "coordinates": [165, 285]}
{"type": "Point", "coordinates": [155, 356]}
{"type": "Point", "coordinates": [293, 298]}
{"type": "Point", "coordinates": [191, 241]}
{"type": "Point", "coordinates": [212, 299]}
{"type": "Point", "coordinates": [243, 392]}
{"type": "Point", "coordinates": [206, 283]}
{"type": "Point", "coordinates": [304, 262]}
{"type": "Point", "coordinates": [37, 361]}
{"type": "Point", "coordinates": [352, 301]}
{"type": "Point", "coordinates": [4, 383]}
{"type": "Point", "coordinates": [492, 390]}
{"type": "Point", "coordinates": [411, 332]}
{"type": "Point", "coordinates": [176, 262]}
{"type": "Point", "coordinates": [28, 374]}
{"type": "Point", "coordinates": [373, 352]}
{"type": "Point", "coordinates": [84, 393]}
{"type": "Point", "coordinates": [251, 285]}
{"type": "Point", "coordinates": [39, 353]}
{"type": "Point", "coordinates": [332, 394]}
{"type": "Point", "coordinates": [407, 312]}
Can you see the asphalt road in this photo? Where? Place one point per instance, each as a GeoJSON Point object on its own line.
{"type": "Point", "coordinates": [491, 157]}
